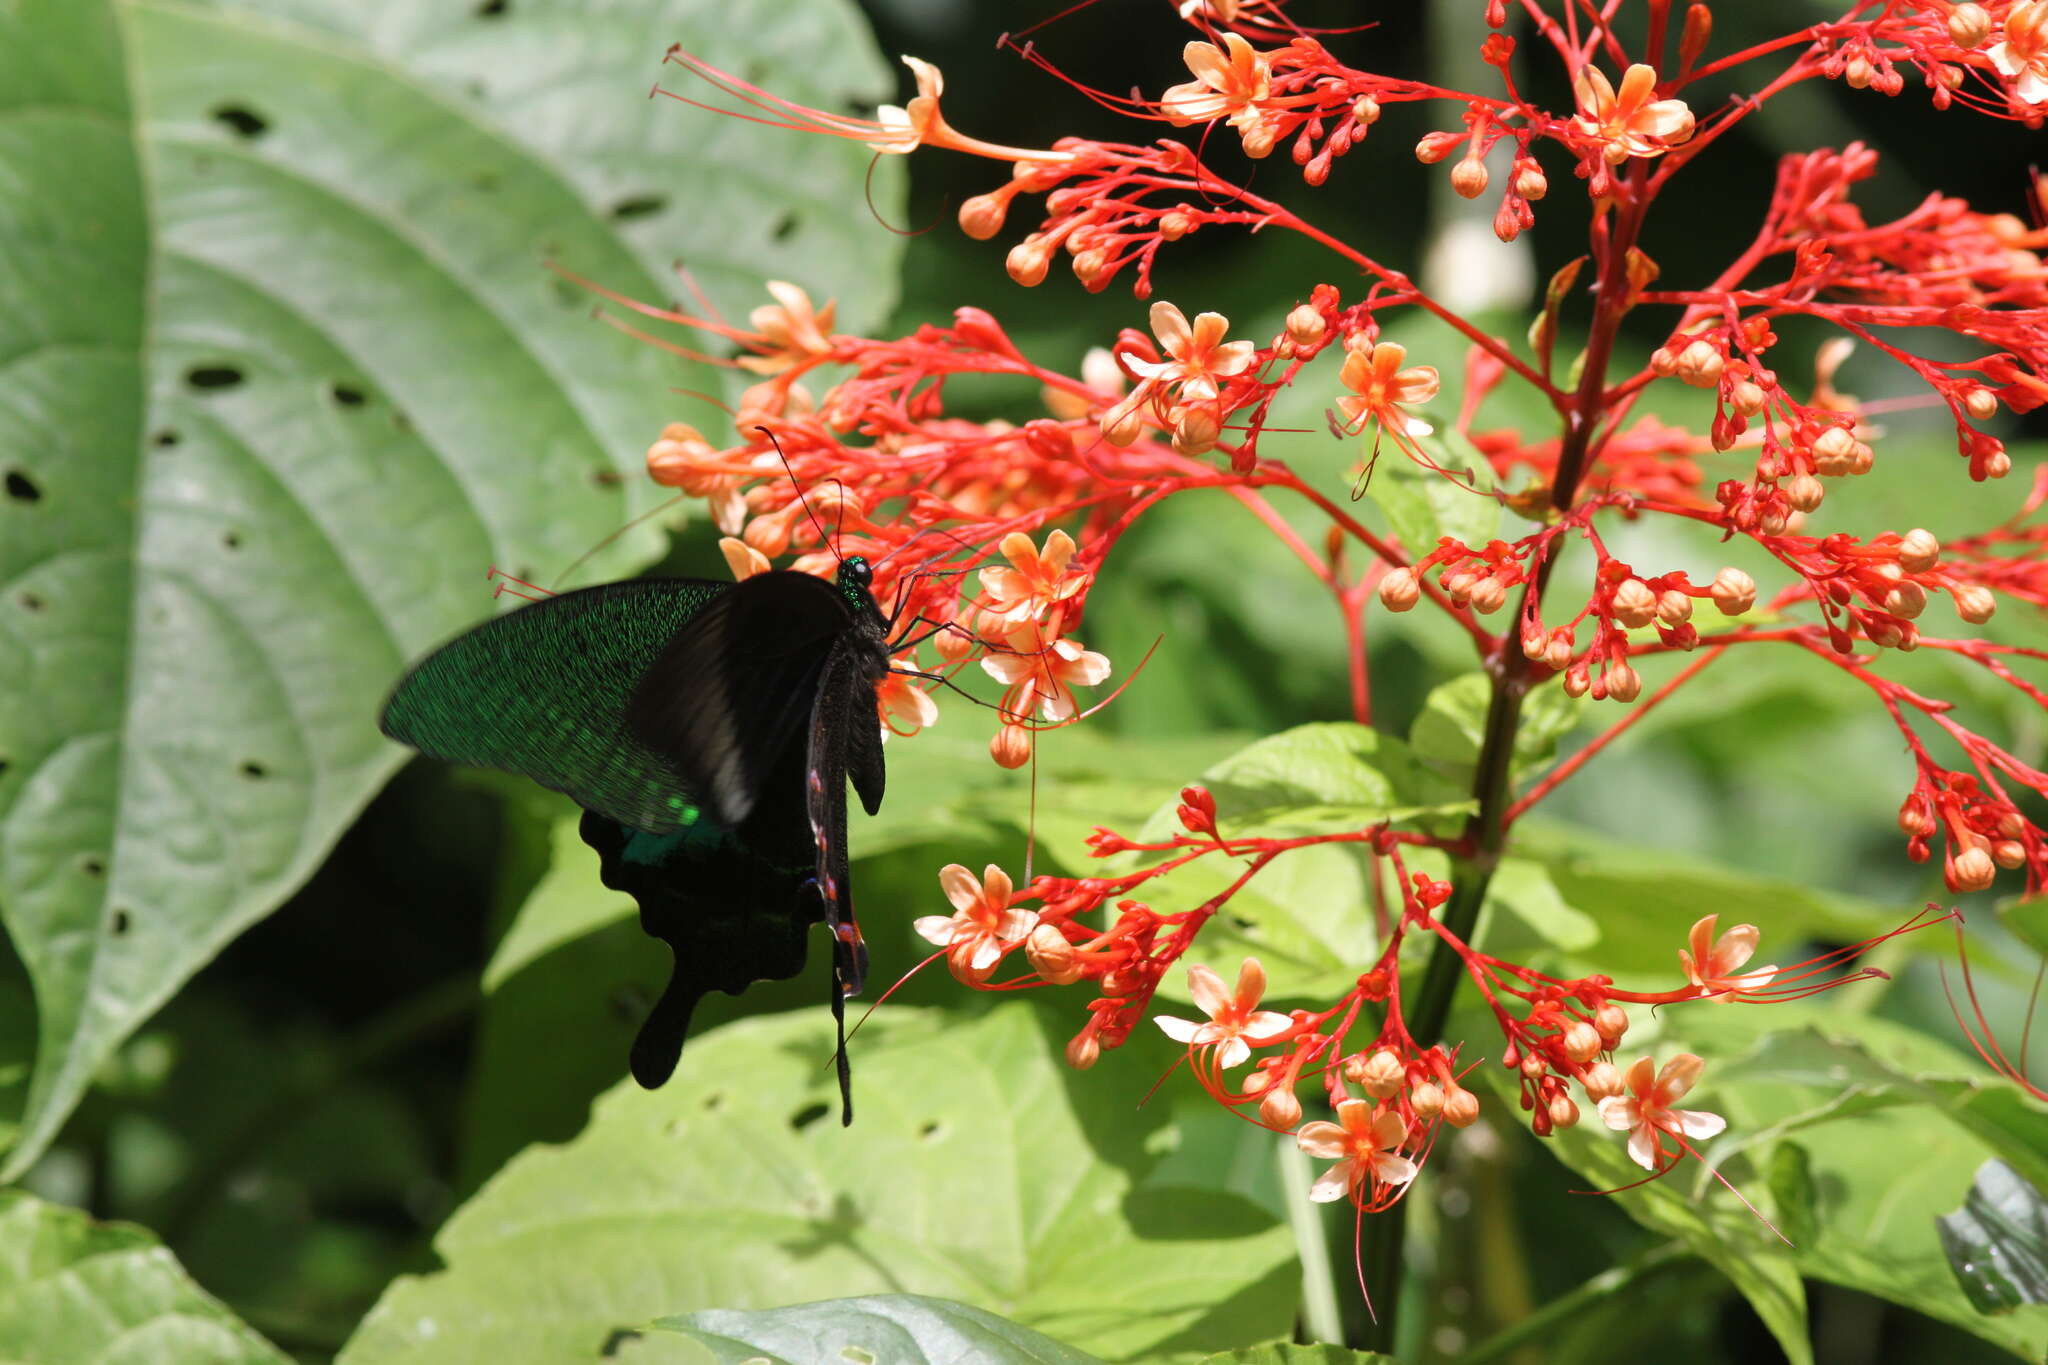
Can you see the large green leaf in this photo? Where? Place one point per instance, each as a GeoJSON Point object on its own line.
{"type": "Point", "coordinates": [903, 1329]}
{"type": "Point", "coordinates": [980, 1170]}
{"type": "Point", "coordinates": [76, 1292]}
{"type": "Point", "coordinates": [1851, 1132]}
{"type": "Point", "coordinates": [1997, 1242]}
{"type": "Point", "coordinates": [286, 372]}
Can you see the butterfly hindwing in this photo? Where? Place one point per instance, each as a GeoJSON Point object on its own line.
{"type": "Point", "coordinates": [544, 691]}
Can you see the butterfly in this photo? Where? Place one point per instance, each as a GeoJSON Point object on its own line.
{"type": "Point", "coordinates": [708, 731]}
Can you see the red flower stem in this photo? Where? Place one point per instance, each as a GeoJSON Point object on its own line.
{"type": "Point", "coordinates": [1558, 775]}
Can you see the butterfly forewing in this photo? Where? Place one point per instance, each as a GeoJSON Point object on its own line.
{"type": "Point", "coordinates": [545, 691]}
{"type": "Point", "coordinates": [733, 690]}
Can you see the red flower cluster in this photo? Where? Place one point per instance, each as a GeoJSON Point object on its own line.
{"type": "Point", "coordinates": [929, 497]}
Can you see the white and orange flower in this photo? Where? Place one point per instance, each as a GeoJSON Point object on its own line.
{"type": "Point", "coordinates": [2022, 50]}
{"type": "Point", "coordinates": [790, 328]}
{"type": "Point", "coordinates": [904, 707]}
{"type": "Point", "coordinates": [1381, 386]}
{"type": "Point", "coordinates": [1362, 1143]}
{"type": "Point", "coordinates": [1197, 360]}
{"type": "Point", "coordinates": [1236, 1022]}
{"type": "Point", "coordinates": [907, 129]}
{"type": "Point", "coordinates": [1229, 82]}
{"type": "Point", "coordinates": [1628, 122]}
{"type": "Point", "coordinates": [1040, 673]}
{"type": "Point", "coordinates": [983, 925]}
{"type": "Point", "coordinates": [1036, 581]}
{"type": "Point", "coordinates": [1711, 964]}
{"type": "Point", "coordinates": [1644, 1110]}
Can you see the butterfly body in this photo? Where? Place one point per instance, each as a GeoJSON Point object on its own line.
{"type": "Point", "coordinates": [708, 730]}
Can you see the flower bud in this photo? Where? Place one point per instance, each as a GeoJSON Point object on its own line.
{"type": "Point", "coordinates": [1974, 602]}
{"type": "Point", "coordinates": [1427, 1100]}
{"type": "Point", "coordinates": [1577, 680]}
{"type": "Point", "coordinates": [1981, 404]}
{"type": "Point", "coordinates": [1280, 1109]}
{"type": "Point", "coordinates": [1968, 25]}
{"type": "Point", "coordinates": [1663, 362]}
{"type": "Point", "coordinates": [1028, 261]}
{"type": "Point", "coordinates": [1997, 464]}
{"type": "Point", "coordinates": [955, 643]}
{"type": "Point", "coordinates": [1366, 110]}
{"type": "Point", "coordinates": [1399, 590]}
{"type": "Point", "coordinates": [1804, 492]}
{"type": "Point", "coordinates": [981, 217]}
{"type": "Point", "coordinates": [1083, 1051]}
{"type": "Point", "coordinates": [1121, 424]}
{"type": "Point", "coordinates": [1603, 1080]}
{"type": "Point", "coordinates": [1907, 600]}
{"type": "Point", "coordinates": [1973, 870]}
{"type": "Point", "coordinates": [1382, 1075]}
{"type": "Point", "coordinates": [1674, 608]}
{"type": "Point", "coordinates": [1746, 397]}
{"type": "Point", "coordinates": [1436, 146]}
{"type": "Point", "coordinates": [1196, 429]}
{"type": "Point", "coordinates": [1633, 604]}
{"type": "Point", "coordinates": [1834, 452]}
{"type": "Point", "coordinates": [1700, 365]}
{"type": "Point", "coordinates": [1530, 181]}
{"type": "Point", "coordinates": [1175, 224]}
{"type": "Point", "coordinates": [1581, 1041]}
{"type": "Point", "coordinates": [1623, 683]}
{"type": "Point", "coordinates": [1469, 178]}
{"type": "Point", "coordinates": [1563, 1113]}
{"type": "Point", "coordinates": [1011, 747]}
{"type": "Point", "coordinates": [1612, 1022]}
{"type": "Point", "coordinates": [1916, 817]}
{"type": "Point", "coordinates": [1461, 1108]}
{"type": "Point", "coordinates": [1533, 1064]}
{"type": "Point", "coordinates": [1305, 325]}
{"type": "Point", "coordinates": [1488, 596]}
{"type": "Point", "coordinates": [2009, 854]}
{"type": "Point", "coordinates": [1558, 653]}
{"type": "Point", "coordinates": [1733, 591]}
{"type": "Point", "coordinates": [1535, 641]}
{"type": "Point", "coordinates": [1053, 956]}
{"type": "Point", "coordinates": [1918, 550]}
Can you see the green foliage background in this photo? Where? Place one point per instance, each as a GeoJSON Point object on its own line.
{"type": "Point", "coordinates": [285, 371]}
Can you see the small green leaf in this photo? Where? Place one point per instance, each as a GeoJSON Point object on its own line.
{"type": "Point", "coordinates": [899, 1329]}
{"type": "Point", "coordinates": [1997, 1242]}
{"type": "Point", "coordinates": [1423, 506]}
{"type": "Point", "coordinates": [1790, 1176]}
{"type": "Point", "coordinates": [72, 1290]}
{"type": "Point", "coordinates": [1451, 728]}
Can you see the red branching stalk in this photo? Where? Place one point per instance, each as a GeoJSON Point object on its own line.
{"type": "Point", "coordinates": [988, 536]}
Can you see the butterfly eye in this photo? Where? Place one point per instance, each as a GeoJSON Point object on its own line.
{"type": "Point", "coordinates": [857, 569]}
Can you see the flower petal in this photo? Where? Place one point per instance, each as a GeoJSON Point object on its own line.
{"type": "Point", "coordinates": [1698, 1124]}
{"type": "Point", "coordinates": [1322, 1138]}
{"type": "Point", "coordinates": [960, 886]}
{"type": "Point", "coordinates": [1642, 1147]}
{"type": "Point", "coordinates": [1232, 1052]}
{"type": "Point", "coordinates": [1619, 1112]}
{"type": "Point", "coordinates": [1394, 1170]}
{"type": "Point", "coordinates": [1180, 1030]}
{"type": "Point", "coordinates": [1207, 989]}
{"type": "Point", "coordinates": [934, 928]}
{"type": "Point", "coordinates": [1332, 1184]}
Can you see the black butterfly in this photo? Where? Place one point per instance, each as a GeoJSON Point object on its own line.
{"type": "Point", "coordinates": [708, 731]}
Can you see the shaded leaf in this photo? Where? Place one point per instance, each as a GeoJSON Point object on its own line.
{"type": "Point", "coordinates": [1997, 1242]}
{"type": "Point", "coordinates": [76, 1292]}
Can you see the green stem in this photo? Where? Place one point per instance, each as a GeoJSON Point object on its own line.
{"type": "Point", "coordinates": [1512, 676]}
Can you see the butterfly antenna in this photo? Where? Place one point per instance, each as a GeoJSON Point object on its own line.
{"type": "Point", "coordinates": [830, 544]}
{"type": "Point", "coordinates": [644, 517]}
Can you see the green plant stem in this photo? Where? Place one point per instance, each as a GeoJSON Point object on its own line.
{"type": "Point", "coordinates": [1512, 674]}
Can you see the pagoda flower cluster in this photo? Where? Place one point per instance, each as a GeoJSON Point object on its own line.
{"type": "Point", "coordinates": [987, 535]}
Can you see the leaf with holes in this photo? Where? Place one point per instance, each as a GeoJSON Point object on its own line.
{"type": "Point", "coordinates": [285, 372]}
{"type": "Point", "coordinates": [982, 1170]}
{"type": "Point", "coordinates": [74, 1290]}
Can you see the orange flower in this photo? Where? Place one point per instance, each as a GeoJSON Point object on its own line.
{"type": "Point", "coordinates": [1362, 1143]}
{"type": "Point", "coordinates": [1231, 83]}
{"type": "Point", "coordinates": [1646, 1112]}
{"type": "Point", "coordinates": [1235, 1020]}
{"type": "Point", "coordinates": [905, 130]}
{"type": "Point", "coordinates": [743, 559]}
{"type": "Point", "coordinates": [1629, 123]}
{"type": "Point", "coordinates": [983, 926]}
{"type": "Point", "coordinates": [1711, 964]}
{"type": "Point", "coordinates": [2023, 52]}
{"type": "Point", "coordinates": [790, 329]}
{"type": "Point", "coordinates": [1374, 373]}
{"type": "Point", "coordinates": [1039, 673]}
{"type": "Point", "coordinates": [905, 708]}
{"type": "Point", "coordinates": [1197, 357]}
{"type": "Point", "coordinates": [1036, 582]}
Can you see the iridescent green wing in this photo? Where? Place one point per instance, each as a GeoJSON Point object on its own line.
{"type": "Point", "coordinates": [543, 691]}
